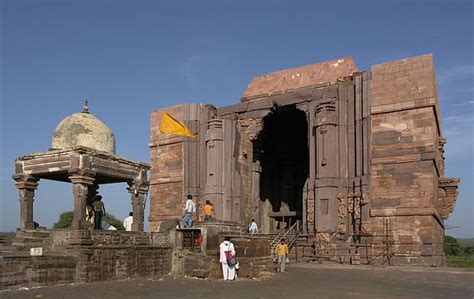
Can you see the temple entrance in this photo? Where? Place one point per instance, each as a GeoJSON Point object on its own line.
{"type": "Point", "coordinates": [282, 147]}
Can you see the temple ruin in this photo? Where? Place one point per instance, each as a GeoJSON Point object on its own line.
{"type": "Point", "coordinates": [347, 164]}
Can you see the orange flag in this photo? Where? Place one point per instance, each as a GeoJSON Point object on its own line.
{"type": "Point", "coordinates": [169, 125]}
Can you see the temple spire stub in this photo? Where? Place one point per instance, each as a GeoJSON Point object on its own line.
{"type": "Point", "coordinates": [85, 108]}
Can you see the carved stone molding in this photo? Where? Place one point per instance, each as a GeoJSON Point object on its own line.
{"type": "Point", "coordinates": [214, 130]}
{"type": "Point", "coordinates": [440, 154]}
{"type": "Point", "coordinates": [351, 204]}
{"type": "Point", "coordinates": [82, 176]}
{"type": "Point", "coordinates": [325, 113]}
{"type": "Point", "coordinates": [139, 184]}
{"type": "Point", "coordinates": [447, 195]}
{"type": "Point", "coordinates": [322, 242]}
{"type": "Point", "coordinates": [25, 181]}
{"type": "Point", "coordinates": [310, 210]}
{"type": "Point", "coordinates": [342, 210]}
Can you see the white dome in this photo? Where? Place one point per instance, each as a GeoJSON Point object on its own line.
{"type": "Point", "coordinates": [83, 129]}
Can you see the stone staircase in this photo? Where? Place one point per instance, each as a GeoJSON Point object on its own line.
{"type": "Point", "coordinates": [290, 235]}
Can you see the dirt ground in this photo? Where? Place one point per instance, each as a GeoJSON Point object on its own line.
{"type": "Point", "coordinates": [301, 281]}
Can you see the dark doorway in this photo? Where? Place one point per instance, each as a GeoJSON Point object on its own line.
{"type": "Point", "coordinates": [282, 149]}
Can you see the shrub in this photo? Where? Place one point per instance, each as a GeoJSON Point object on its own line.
{"type": "Point", "coordinates": [469, 250]}
{"type": "Point", "coordinates": [65, 221]}
{"type": "Point", "coordinates": [451, 246]}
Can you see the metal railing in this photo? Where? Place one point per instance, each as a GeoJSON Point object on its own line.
{"type": "Point", "coordinates": [290, 235]}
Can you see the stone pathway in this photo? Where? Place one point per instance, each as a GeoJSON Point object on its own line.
{"type": "Point", "coordinates": [301, 281]}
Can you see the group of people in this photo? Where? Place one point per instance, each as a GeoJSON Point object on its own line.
{"type": "Point", "coordinates": [190, 209]}
{"type": "Point", "coordinates": [226, 248]}
{"type": "Point", "coordinates": [95, 214]}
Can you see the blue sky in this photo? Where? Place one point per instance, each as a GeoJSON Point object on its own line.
{"type": "Point", "coordinates": [130, 57]}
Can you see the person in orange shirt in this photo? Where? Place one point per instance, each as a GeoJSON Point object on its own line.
{"type": "Point", "coordinates": [281, 251]}
{"type": "Point", "coordinates": [208, 210]}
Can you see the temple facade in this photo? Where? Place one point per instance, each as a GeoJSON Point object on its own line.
{"type": "Point", "coordinates": [354, 158]}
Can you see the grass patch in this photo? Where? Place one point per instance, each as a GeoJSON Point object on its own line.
{"type": "Point", "coordinates": [460, 261]}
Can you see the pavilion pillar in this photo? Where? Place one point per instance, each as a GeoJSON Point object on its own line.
{"type": "Point", "coordinates": [138, 190]}
{"type": "Point", "coordinates": [81, 179]}
{"type": "Point", "coordinates": [91, 194]}
{"type": "Point", "coordinates": [26, 186]}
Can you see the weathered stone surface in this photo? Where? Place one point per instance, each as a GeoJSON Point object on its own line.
{"type": "Point", "coordinates": [309, 75]}
{"type": "Point", "coordinates": [447, 194]}
{"type": "Point", "coordinates": [94, 264]}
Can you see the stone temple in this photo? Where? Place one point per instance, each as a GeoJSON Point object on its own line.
{"type": "Point", "coordinates": [346, 165]}
{"type": "Point", "coordinates": [350, 161]}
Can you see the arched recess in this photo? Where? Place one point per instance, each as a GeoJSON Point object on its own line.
{"type": "Point", "coordinates": [281, 150]}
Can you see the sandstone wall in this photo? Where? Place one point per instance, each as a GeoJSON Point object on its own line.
{"type": "Point", "coordinates": [404, 161]}
{"type": "Point", "coordinates": [175, 163]}
{"type": "Point", "coordinates": [303, 76]}
{"type": "Point", "coordinates": [84, 265]}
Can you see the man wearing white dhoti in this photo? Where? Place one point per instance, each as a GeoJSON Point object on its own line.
{"type": "Point", "coordinates": [227, 252]}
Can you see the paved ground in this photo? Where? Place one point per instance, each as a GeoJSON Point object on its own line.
{"type": "Point", "coordinates": [299, 282]}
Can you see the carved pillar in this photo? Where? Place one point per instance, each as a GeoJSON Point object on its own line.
{"type": "Point", "coordinates": [91, 193]}
{"type": "Point", "coordinates": [138, 190]}
{"type": "Point", "coordinates": [26, 186]}
{"type": "Point", "coordinates": [326, 165]}
{"type": "Point", "coordinates": [256, 171]}
{"type": "Point", "coordinates": [215, 171]}
{"type": "Point", "coordinates": [81, 179]}
{"type": "Point", "coordinates": [308, 207]}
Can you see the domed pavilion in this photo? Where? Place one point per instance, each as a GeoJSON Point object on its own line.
{"type": "Point", "coordinates": [82, 153]}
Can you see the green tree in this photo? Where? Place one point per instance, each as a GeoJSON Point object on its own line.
{"type": "Point", "coordinates": [469, 250]}
{"type": "Point", "coordinates": [451, 246]}
{"type": "Point", "coordinates": [65, 221]}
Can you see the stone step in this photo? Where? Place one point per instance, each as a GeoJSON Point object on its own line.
{"type": "Point", "coordinates": [6, 238]}
{"type": "Point", "coordinates": [33, 234]}
{"type": "Point", "coordinates": [30, 240]}
{"type": "Point", "coordinates": [8, 248]}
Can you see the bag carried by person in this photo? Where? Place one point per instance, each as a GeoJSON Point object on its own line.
{"type": "Point", "coordinates": [231, 261]}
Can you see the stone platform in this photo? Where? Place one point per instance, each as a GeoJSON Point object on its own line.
{"type": "Point", "coordinates": [100, 256]}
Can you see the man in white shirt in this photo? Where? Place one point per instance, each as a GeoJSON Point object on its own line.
{"type": "Point", "coordinates": [253, 227]}
{"type": "Point", "coordinates": [189, 210]}
{"type": "Point", "coordinates": [227, 246]}
{"type": "Point", "coordinates": [127, 222]}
